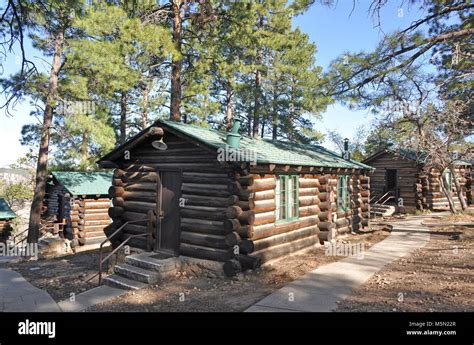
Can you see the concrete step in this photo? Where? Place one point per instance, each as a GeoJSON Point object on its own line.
{"type": "Point", "coordinates": [121, 282]}
{"type": "Point", "coordinates": [137, 273]}
{"type": "Point", "coordinates": [147, 262]}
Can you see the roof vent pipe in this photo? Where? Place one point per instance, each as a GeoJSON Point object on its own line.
{"type": "Point", "coordinates": [233, 137]}
{"type": "Point", "coordinates": [345, 153]}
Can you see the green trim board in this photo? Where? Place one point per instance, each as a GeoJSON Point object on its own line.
{"type": "Point", "coordinates": [286, 198]}
{"type": "Point", "coordinates": [343, 193]}
{"type": "Point", "coordinates": [5, 211]}
{"type": "Point", "coordinates": [84, 183]}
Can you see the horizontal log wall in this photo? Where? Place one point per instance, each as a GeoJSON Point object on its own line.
{"type": "Point", "coordinates": [252, 215]}
{"type": "Point", "coordinates": [432, 195]}
{"type": "Point", "coordinates": [5, 229]}
{"type": "Point", "coordinates": [205, 191]}
{"type": "Point", "coordinates": [407, 177]}
{"type": "Point", "coordinates": [89, 217]}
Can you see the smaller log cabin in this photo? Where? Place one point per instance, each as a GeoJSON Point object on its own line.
{"type": "Point", "coordinates": [231, 198]}
{"type": "Point", "coordinates": [6, 217]}
{"type": "Point", "coordinates": [76, 205]}
{"type": "Point", "coordinates": [401, 173]}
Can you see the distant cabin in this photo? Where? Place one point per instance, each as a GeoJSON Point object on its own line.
{"type": "Point", "coordinates": [399, 177]}
{"type": "Point", "coordinates": [197, 192]}
{"type": "Point", "coordinates": [6, 217]}
{"type": "Point", "coordinates": [76, 205]}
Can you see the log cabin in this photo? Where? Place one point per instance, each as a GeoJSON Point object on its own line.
{"type": "Point", "coordinates": [76, 205]}
{"type": "Point", "coordinates": [401, 177]}
{"type": "Point", "coordinates": [6, 217]}
{"type": "Point", "coordinates": [203, 193]}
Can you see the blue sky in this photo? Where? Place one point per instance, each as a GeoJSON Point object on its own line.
{"type": "Point", "coordinates": [334, 30]}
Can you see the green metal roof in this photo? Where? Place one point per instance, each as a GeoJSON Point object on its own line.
{"type": "Point", "coordinates": [269, 151]}
{"type": "Point", "coordinates": [84, 183]}
{"type": "Point", "coordinates": [5, 210]}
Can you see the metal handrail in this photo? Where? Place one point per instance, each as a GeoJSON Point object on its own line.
{"type": "Point", "coordinates": [108, 238]}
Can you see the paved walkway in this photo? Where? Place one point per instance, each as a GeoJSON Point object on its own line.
{"type": "Point", "coordinates": [18, 295]}
{"type": "Point", "coordinates": [319, 290]}
{"type": "Point", "coordinates": [91, 297]}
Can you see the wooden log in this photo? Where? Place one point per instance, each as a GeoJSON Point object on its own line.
{"type": "Point", "coordinates": [263, 218]}
{"type": "Point", "coordinates": [199, 178]}
{"type": "Point", "coordinates": [118, 201]}
{"type": "Point", "coordinates": [199, 200]}
{"type": "Point", "coordinates": [308, 183]}
{"type": "Point", "coordinates": [326, 206]}
{"type": "Point", "coordinates": [118, 173]}
{"type": "Point", "coordinates": [232, 267]}
{"type": "Point", "coordinates": [261, 231]}
{"type": "Point", "coordinates": [204, 252]}
{"type": "Point", "coordinates": [95, 222]}
{"type": "Point", "coordinates": [140, 196]}
{"type": "Point", "coordinates": [200, 212]}
{"type": "Point", "coordinates": [115, 212]}
{"type": "Point", "coordinates": [249, 262]}
{"type": "Point", "coordinates": [231, 224]}
{"type": "Point", "coordinates": [206, 240]}
{"type": "Point", "coordinates": [343, 230]}
{"type": "Point", "coordinates": [259, 206]}
{"type": "Point", "coordinates": [139, 206]}
{"type": "Point", "coordinates": [262, 184]}
{"type": "Point", "coordinates": [327, 235]}
{"type": "Point", "coordinates": [246, 246]}
{"type": "Point", "coordinates": [263, 195]}
{"type": "Point", "coordinates": [323, 197]}
{"type": "Point", "coordinates": [323, 180]}
{"type": "Point", "coordinates": [95, 216]}
{"type": "Point", "coordinates": [308, 191]}
{"type": "Point", "coordinates": [325, 216]}
{"type": "Point", "coordinates": [116, 191]}
{"type": "Point", "coordinates": [340, 223]}
{"type": "Point", "coordinates": [283, 238]}
{"type": "Point", "coordinates": [308, 200]}
{"type": "Point", "coordinates": [308, 210]}
{"type": "Point", "coordinates": [205, 191]}
{"type": "Point", "coordinates": [95, 205]}
{"type": "Point", "coordinates": [210, 227]}
{"type": "Point", "coordinates": [285, 249]}
{"type": "Point", "coordinates": [117, 182]}
{"type": "Point", "coordinates": [325, 226]}
{"type": "Point", "coordinates": [232, 239]}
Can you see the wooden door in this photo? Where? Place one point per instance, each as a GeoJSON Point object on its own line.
{"type": "Point", "coordinates": [391, 179]}
{"type": "Point", "coordinates": [168, 219]}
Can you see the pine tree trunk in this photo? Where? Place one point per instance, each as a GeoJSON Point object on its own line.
{"type": "Point", "coordinates": [84, 152]}
{"type": "Point", "coordinates": [228, 105]}
{"type": "Point", "coordinates": [146, 92]}
{"type": "Point", "coordinates": [123, 117]}
{"type": "Point", "coordinates": [447, 193]}
{"type": "Point", "coordinates": [274, 117]}
{"type": "Point", "coordinates": [258, 83]}
{"type": "Point", "coordinates": [42, 165]}
{"type": "Point", "coordinates": [176, 63]}
{"type": "Point", "coordinates": [461, 198]}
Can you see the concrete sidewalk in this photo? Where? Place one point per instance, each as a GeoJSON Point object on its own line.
{"type": "Point", "coordinates": [18, 295]}
{"type": "Point", "coordinates": [319, 290]}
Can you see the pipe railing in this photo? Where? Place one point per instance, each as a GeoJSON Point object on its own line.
{"type": "Point", "coordinates": [108, 238]}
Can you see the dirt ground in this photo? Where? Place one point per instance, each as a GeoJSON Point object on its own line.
{"type": "Point", "coordinates": [204, 293]}
{"type": "Point", "coordinates": [438, 277]}
{"type": "Point", "coordinates": [63, 275]}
